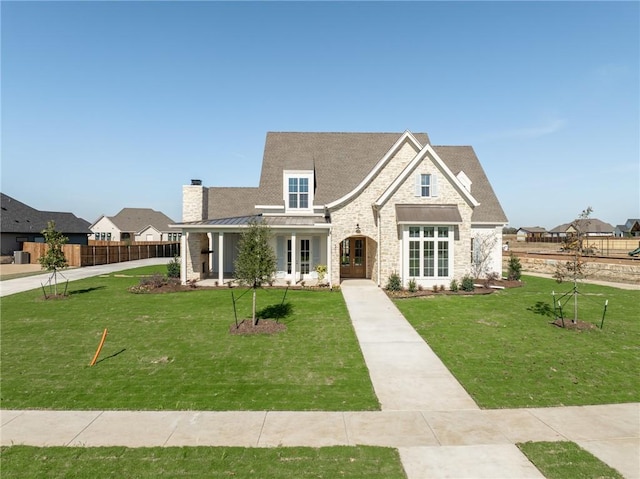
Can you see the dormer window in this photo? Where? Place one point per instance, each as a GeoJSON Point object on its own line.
{"type": "Point", "coordinates": [298, 191]}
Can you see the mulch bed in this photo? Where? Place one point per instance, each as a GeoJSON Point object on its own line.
{"type": "Point", "coordinates": [578, 325]}
{"type": "Point", "coordinates": [264, 326]}
{"type": "Point", "coordinates": [479, 290]}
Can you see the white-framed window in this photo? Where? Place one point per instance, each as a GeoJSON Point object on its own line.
{"type": "Point", "coordinates": [426, 185]}
{"type": "Point", "coordinates": [298, 191]}
{"type": "Point", "coordinates": [429, 251]}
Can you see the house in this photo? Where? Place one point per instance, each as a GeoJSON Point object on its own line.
{"type": "Point", "coordinates": [365, 205]}
{"type": "Point", "coordinates": [134, 224]}
{"type": "Point", "coordinates": [21, 223]}
{"type": "Point", "coordinates": [531, 233]}
{"type": "Point", "coordinates": [588, 227]}
{"type": "Point", "coordinates": [630, 229]}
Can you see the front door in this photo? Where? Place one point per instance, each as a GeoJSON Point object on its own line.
{"type": "Point", "coordinates": [352, 258]}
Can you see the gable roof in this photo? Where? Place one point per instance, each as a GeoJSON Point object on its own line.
{"type": "Point", "coordinates": [591, 225]}
{"type": "Point", "coordinates": [341, 162]}
{"type": "Point", "coordinates": [18, 217]}
{"type": "Point", "coordinates": [463, 158]}
{"type": "Point", "coordinates": [137, 219]}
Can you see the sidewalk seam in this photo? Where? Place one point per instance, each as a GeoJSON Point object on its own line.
{"type": "Point", "coordinates": [85, 428]}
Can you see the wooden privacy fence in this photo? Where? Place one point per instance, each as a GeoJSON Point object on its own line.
{"type": "Point", "coordinates": [605, 245]}
{"type": "Point", "coordinates": [92, 255]}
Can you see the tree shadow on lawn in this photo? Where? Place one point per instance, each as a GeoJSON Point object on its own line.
{"type": "Point", "coordinates": [275, 311]}
{"type": "Point", "coordinates": [543, 309]}
{"type": "Point", "coordinates": [86, 290]}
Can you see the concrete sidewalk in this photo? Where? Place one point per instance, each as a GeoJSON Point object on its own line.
{"type": "Point", "coordinates": [438, 429]}
{"type": "Point", "coordinates": [18, 285]}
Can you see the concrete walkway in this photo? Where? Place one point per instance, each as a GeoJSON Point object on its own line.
{"type": "Point", "coordinates": [438, 429]}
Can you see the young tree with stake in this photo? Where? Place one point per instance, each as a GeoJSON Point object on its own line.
{"type": "Point", "coordinates": [53, 259]}
{"type": "Point", "coordinates": [256, 261]}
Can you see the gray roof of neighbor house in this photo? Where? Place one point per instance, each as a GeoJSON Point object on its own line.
{"type": "Point", "coordinates": [136, 219]}
{"type": "Point", "coordinates": [533, 229]}
{"type": "Point", "coordinates": [591, 225]}
{"type": "Point", "coordinates": [340, 162]}
{"type": "Point", "coordinates": [17, 217]}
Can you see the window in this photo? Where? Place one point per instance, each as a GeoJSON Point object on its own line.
{"type": "Point", "coordinates": [299, 193]}
{"type": "Point", "coordinates": [425, 185]}
{"type": "Point", "coordinates": [428, 251]}
{"type": "Point", "coordinates": [298, 190]}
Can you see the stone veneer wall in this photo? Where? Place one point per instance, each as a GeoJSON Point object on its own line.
{"type": "Point", "coordinates": [195, 199]}
{"type": "Point", "coordinates": [359, 211]}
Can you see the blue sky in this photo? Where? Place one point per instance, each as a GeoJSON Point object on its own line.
{"type": "Point", "coordinates": [108, 105]}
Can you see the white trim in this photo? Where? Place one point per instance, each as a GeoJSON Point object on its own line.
{"type": "Point", "coordinates": [298, 174]}
{"type": "Point", "coordinates": [420, 156]}
{"type": "Point", "coordinates": [406, 136]}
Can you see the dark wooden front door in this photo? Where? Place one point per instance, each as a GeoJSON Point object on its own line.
{"type": "Point", "coordinates": [352, 258]}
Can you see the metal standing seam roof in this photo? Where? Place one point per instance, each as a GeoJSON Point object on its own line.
{"type": "Point", "coordinates": [268, 220]}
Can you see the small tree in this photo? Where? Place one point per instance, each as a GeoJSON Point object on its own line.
{"type": "Point", "coordinates": [482, 254]}
{"type": "Point", "coordinates": [53, 259]}
{"type": "Point", "coordinates": [575, 244]}
{"type": "Point", "coordinates": [515, 268]}
{"type": "Point", "coordinates": [256, 261]}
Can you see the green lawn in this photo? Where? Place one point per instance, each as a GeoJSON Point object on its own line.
{"type": "Point", "coordinates": [201, 462]}
{"type": "Point", "coordinates": [174, 351]}
{"type": "Point", "coordinates": [505, 353]}
{"type": "Point", "coordinates": [566, 460]}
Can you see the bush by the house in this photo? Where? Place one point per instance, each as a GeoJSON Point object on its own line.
{"type": "Point", "coordinates": [467, 283]}
{"type": "Point", "coordinates": [394, 283]}
{"type": "Point", "coordinates": [173, 268]}
{"type": "Point", "coordinates": [454, 285]}
{"type": "Point", "coordinates": [412, 285]}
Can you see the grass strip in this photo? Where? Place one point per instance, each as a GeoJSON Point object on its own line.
{"type": "Point", "coordinates": [201, 462]}
{"type": "Point", "coordinates": [566, 460]}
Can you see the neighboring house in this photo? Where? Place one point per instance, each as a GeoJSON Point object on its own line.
{"type": "Point", "coordinates": [630, 229]}
{"type": "Point", "coordinates": [531, 233]}
{"type": "Point", "coordinates": [365, 205]}
{"type": "Point", "coordinates": [134, 224]}
{"type": "Point", "coordinates": [588, 227]}
{"type": "Point", "coordinates": [22, 223]}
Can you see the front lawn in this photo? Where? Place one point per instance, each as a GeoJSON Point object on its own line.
{"type": "Point", "coordinates": [201, 462]}
{"type": "Point", "coordinates": [174, 351]}
{"type": "Point", "coordinates": [505, 353]}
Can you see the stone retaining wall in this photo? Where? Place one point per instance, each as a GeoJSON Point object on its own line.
{"type": "Point", "coordinates": [620, 273]}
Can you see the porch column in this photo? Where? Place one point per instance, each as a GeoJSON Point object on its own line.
{"type": "Point", "coordinates": [293, 258]}
{"type": "Point", "coordinates": [329, 258]}
{"type": "Point", "coordinates": [221, 258]}
{"type": "Point", "coordinates": [210, 248]}
{"type": "Point", "coordinates": [183, 256]}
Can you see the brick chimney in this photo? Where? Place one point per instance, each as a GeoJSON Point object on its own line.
{"type": "Point", "coordinates": [195, 201]}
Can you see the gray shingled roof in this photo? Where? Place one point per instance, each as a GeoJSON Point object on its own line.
{"type": "Point", "coordinates": [136, 219]}
{"type": "Point", "coordinates": [591, 225]}
{"type": "Point", "coordinates": [18, 217]}
{"type": "Point", "coordinates": [463, 158]}
{"type": "Point", "coordinates": [341, 161]}
{"type": "Point", "coordinates": [225, 202]}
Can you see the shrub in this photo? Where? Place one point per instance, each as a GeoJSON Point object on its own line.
{"type": "Point", "coordinates": [394, 283]}
{"type": "Point", "coordinates": [435, 288]}
{"type": "Point", "coordinates": [321, 269]}
{"type": "Point", "coordinates": [454, 285]}
{"type": "Point", "coordinates": [514, 268]}
{"type": "Point", "coordinates": [412, 285]}
{"type": "Point", "coordinates": [491, 278]}
{"type": "Point", "coordinates": [173, 268]}
{"type": "Point", "coordinates": [441, 287]}
{"type": "Point", "coordinates": [467, 283]}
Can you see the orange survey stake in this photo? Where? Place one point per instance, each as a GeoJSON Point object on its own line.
{"type": "Point", "coordinates": [95, 358]}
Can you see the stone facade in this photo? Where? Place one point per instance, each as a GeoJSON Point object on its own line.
{"type": "Point", "coordinates": [194, 208]}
